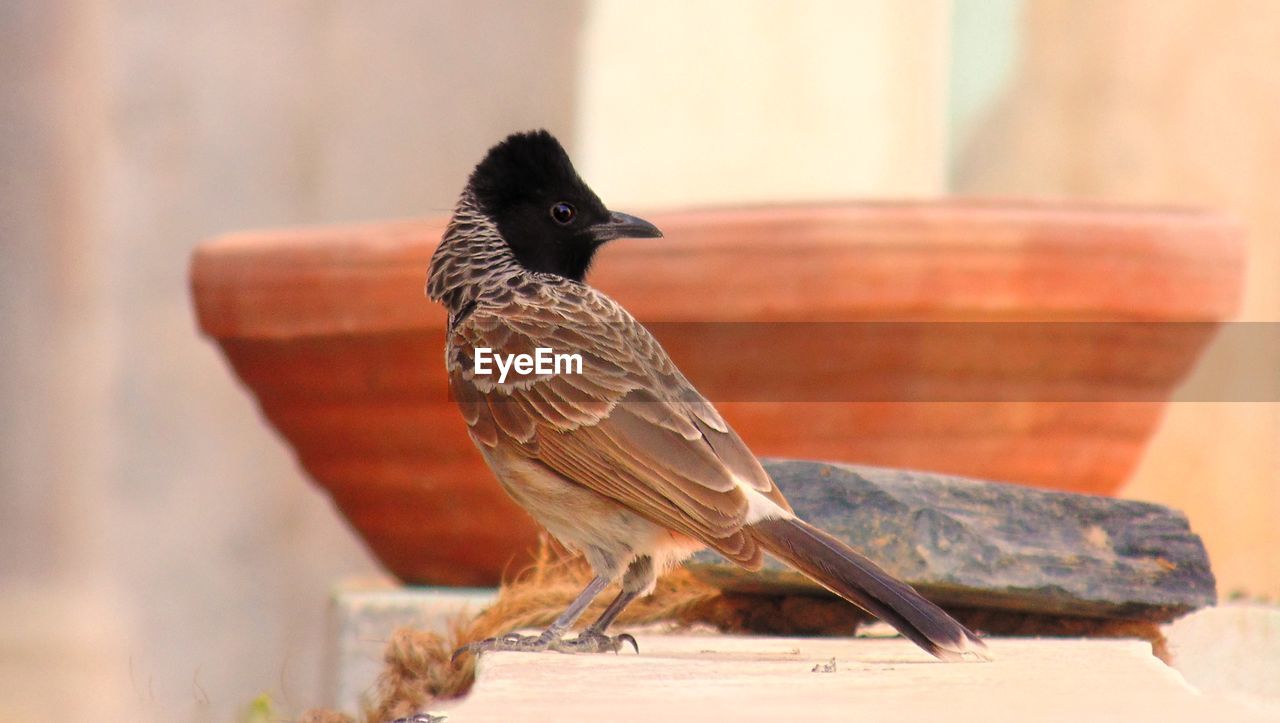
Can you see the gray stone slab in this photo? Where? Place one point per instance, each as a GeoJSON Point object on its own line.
{"type": "Point", "coordinates": [989, 545]}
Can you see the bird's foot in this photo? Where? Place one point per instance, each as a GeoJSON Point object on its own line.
{"type": "Point", "coordinates": [592, 642]}
{"type": "Point", "coordinates": [511, 642]}
{"type": "Point", "coordinates": [586, 642]}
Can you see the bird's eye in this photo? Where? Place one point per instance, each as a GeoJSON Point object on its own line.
{"type": "Point", "coordinates": [563, 213]}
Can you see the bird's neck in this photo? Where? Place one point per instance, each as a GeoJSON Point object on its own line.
{"type": "Point", "coordinates": [471, 259]}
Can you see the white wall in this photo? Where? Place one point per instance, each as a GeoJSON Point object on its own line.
{"type": "Point", "coordinates": [161, 557]}
{"type": "Point", "coordinates": [707, 101]}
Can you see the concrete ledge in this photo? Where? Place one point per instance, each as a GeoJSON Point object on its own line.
{"type": "Point", "coordinates": [720, 677]}
{"type": "Point", "coordinates": [362, 616]}
{"type": "Point", "coordinates": [1230, 655]}
{"type": "Point", "coordinates": [1231, 651]}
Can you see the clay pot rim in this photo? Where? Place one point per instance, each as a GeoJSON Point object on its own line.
{"type": "Point", "coordinates": [338, 269]}
{"type": "Point", "coordinates": [986, 209]}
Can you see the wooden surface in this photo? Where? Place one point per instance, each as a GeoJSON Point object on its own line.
{"type": "Point", "coordinates": [330, 330]}
{"type": "Point", "coordinates": [740, 679]}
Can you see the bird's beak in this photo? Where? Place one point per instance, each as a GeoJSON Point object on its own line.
{"type": "Point", "coordinates": [622, 225]}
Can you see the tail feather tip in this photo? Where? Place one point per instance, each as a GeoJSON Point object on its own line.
{"type": "Point", "coordinates": [967, 646]}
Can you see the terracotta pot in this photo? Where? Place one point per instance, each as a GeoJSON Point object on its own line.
{"type": "Point", "coordinates": [330, 331]}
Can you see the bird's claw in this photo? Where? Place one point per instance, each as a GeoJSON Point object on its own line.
{"type": "Point", "coordinates": [589, 642]}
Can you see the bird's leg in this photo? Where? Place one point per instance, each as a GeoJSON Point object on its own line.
{"type": "Point", "coordinates": [594, 640]}
{"type": "Point", "coordinates": [611, 613]}
{"type": "Point", "coordinates": [549, 637]}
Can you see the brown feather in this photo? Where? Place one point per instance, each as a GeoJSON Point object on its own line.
{"type": "Point", "coordinates": [618, 428]}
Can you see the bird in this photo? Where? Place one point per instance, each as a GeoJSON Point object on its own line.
{"type": "Point", "coordinates": [621, 459]}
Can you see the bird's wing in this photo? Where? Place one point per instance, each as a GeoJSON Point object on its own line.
{"type": "Point", "coordinates": [629, 426]}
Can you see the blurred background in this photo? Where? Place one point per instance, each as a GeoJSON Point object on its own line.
{"type": "Point", "coordinates": [161, 555]}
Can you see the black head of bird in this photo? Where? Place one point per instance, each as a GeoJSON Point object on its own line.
{"type": "Point", "coordinates": [551, 219]}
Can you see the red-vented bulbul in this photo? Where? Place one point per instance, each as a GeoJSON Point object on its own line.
{"type": "Point", "coordinates": [623, 460]}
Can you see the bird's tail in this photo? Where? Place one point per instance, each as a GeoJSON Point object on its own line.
{"type": "Point", "coordinates": [838, 568]}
